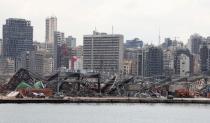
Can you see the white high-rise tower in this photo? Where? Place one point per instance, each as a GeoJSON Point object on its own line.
{"type": "Point", "coordinates": [51, 27]}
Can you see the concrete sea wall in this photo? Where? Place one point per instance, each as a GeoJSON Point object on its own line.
{"type": "Point", "coordinates": [109, 100]}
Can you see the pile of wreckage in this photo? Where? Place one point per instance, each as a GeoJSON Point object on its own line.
{"type": "Point", "coordinates": [25, 90]}
{"type": "Point", "coordinates": [27, 84]}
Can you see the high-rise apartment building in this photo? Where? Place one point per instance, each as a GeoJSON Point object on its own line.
{"type": "Point", "coordinates": [194, 43]}
{"type": "Point", "coordinates": [183, 60]}
{"type": "Point", "coordinates": [71, 42]}
{"type": "Point", "coordinates": [204, 58]}
{"type": "Point", "coordinates": [132, 55]}
{"type": "Point", "coordinates": [63, 56]}
{"type": "Point", "coordinates": [32, 61]}
{"type": "Point", "coordinates": [1, 47]}
{"type": "Point", "coordinates": [7, 66]}
{"type": "Point", "coordinates": [39, 62]}
{"type": "Point", "coordinates": [17, 37]}
{"type": "Point", "coordinates": [59, 40]}
{"type": "Point", "coordinates": [152, 61]}
{"type": "Point", "coordinates": [48, 62]}
{"type": "Point", "coordinates": [103, 52]}
{"type": "Point", "coordinates": [168, 43]}
{"type": "Point", "coordinates": [171, 44]}
{"type": "Point", "coordinates": [51, 27]}
{"type": "Point", "coordinates": [135, 43]}
{"type": "Point", "coordinates": [168, 62]}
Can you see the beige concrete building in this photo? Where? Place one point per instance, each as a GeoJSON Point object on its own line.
{"type": "Point", "coordinates": [30, 60]}
{"type": "Point", "coordinates": [103, 52]}
{"type": "Point", "coordinates": [127, 67]}
{"type": "Point", "coordinates": [51, 27]}
{"type": "Point", "coordinates": [7, 66]}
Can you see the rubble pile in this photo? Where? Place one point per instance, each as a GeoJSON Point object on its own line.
{"type": "Point", "coordinates": [92, 84]}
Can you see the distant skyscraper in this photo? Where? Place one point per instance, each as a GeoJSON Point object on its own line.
{"type": "Point", "coordinates": [204, 58]}
{"type": "Point", "coordinates": [168, 62]}
{"type": "Point", "coordinates": [194, 43]}
{"type": "Point", "coordinates": [59, 40]}
{"type": "Point", "coordinates": [1, 47]}
{"type": "Point", "coordinates": [32, 61]}
{"type": "Point", "coordinates": [184, 64]}
{"type": "Point", "coordinates": [135, 43]}
{"type": "Point", "coordinates": [17, 37]}
{"type": "Point", "coordinates": [71, 42]}
{"type": "Point", "coordinates": [182, 61]}
{"type": "Point", "coordinates": [103, 52]}
{"type": "Point", "coordinates": [168, 43]}
{"type": "Point", "coordinates": [153, 61]}
{"type": "Point", "coordinates": [63, 56]}
{"type": "Point", "coordinates": [208, 41]}
{"type": "Point", "coordinates": [171, 44]}
{"type": "Point", "coordinates": [132, 55]}
{"type": "Point", "coordinates": [127, 67]}
{"type": "Point", "coordinates": [176, 45]}
{"type": "Point", "coordinates": [7, 66]}
{"type": "Point", "coordinates": [51, 27]}
{"type": "Point", "coordinates": [48, 63]}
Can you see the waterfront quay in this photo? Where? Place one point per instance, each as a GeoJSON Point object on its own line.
{"type": "Point", "coordinates": [107, 100]}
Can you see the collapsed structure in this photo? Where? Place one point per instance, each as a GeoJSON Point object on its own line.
{"type": "Point", "coordinates": [71, 84]}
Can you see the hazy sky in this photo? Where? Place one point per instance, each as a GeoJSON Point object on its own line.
{"type": "Point", "coordinates": [132, 18]}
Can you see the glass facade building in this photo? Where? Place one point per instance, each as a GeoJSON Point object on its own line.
{"type": "Point", "coordinates": [17, 37]}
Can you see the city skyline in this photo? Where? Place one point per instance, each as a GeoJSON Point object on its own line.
{"type": "Point", "coordinates": [104, 61]}
{"type": "Point", "coordinates": [135, 18]}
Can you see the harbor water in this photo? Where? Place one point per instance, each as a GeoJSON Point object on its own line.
{"type": "Point", "coordinates": [104, 113]}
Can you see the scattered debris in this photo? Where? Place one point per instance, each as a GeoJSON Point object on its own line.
{"type": "Point", "coordinates": [28, 84]}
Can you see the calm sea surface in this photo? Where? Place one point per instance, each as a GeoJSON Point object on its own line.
{"type": "Point", "coordinates": [104, 113]}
